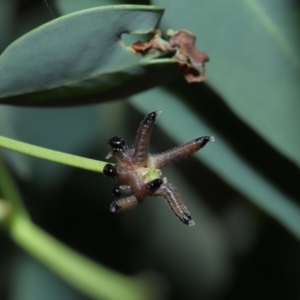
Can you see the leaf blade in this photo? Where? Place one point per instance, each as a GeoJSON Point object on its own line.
{"type": "Point", "coordinates": [55, 61]}
{"type": "Point", "coordinates": [221, 158]}
{"type": "Point", "coordinates": [255, 61]}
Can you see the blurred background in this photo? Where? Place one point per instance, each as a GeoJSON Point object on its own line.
{"type": "Point", "coordinates": [242, 190]}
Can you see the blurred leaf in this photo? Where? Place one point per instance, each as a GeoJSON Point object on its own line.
{"type": "Point", "coordinates": [86, 275]}
{"type": "Point", "coordinates": [32, 281]}
{"type": "Point", "coordinates": [19, 163]}
{"type": "Point", "coordinates": [7, 20]}
{"type": "Point", "coordinates": [182, 125]}
{"type": "Point", "coordinates": [201, 254]}
{"type": "Point", "coordinates": [69, 6]}
{"type": "Point", "coordinates": [30, 17]}
{"type": "Point", "coordinates": [10, 193]}
{"type": "Point", "coordinates": [81, 55]}
{"type": "Point", "coordinates": [255, 62]}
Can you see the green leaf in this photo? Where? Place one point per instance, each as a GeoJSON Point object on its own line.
{"type": "Point", "coordinates": [80, 59]}
{"type": "Point", "coordinates": [255, 62]}
{"type": "Point", "coordinates": [182, 124]}
{"type": "Point", "coordinates": [69, 6]}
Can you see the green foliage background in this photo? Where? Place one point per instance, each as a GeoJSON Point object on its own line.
{"type": "Point", "coordinates": [242, 190]}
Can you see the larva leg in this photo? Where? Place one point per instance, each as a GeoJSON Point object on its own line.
{"type": "Point", "coordinates": [170, 193]}
{"type": "Point", "coordinates": [141, 144]}
{"type": "Point", "coordinates": [124, 204]}
{"type": "Point", "coordinates": [171, 156]}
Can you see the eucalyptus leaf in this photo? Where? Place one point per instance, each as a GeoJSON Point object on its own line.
{"type": "Point", "coordinates": [79, 58]}
{"type": "Point", "coordinates": [182, 124]}
{"type": "Point", "coordinates": [69, 6]}
{"type": "Point", "coordinates": [255, 60]}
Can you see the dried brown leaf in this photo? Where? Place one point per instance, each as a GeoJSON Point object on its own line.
{"type": "Point", "coordinates": [181, 42]}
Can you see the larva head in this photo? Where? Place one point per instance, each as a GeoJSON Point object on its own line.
{"type": "Point", "coordinates": [154, 184]}
{"type": "Point", "coordinates": [116, 191]}
{"type": "Point", "coordinates": [117, 143]}
{"type": "Point", "coordinates": [187, 219]}
{"type": "Point", "coordinates": [109, 170]}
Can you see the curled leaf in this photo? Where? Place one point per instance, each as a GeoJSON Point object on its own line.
{"type": "Point", "coordinates": [182, 43]}
{"type": "Point", "coordinates": [192, 74]}
{"type": "Point", "coordinates": [156, 43]}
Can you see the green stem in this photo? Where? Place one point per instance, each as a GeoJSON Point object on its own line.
{"type": "Point", "coordinates": [84, 274]}
{"type": "Point", "coordinates": [54, 156]}
{"type": "Point", "coordinates": [10, 190]}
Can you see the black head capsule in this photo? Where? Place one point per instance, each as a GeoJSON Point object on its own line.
{"type": "Point", "coordinates": [150, 118]}
{"type": "Point", "coordinates": [187, 220]}
{"type": "Point", "coordinates": [154, 184]}
{"type": "Point", "coordinates": [121, 190]}
{"type": "Point", "coordinates": [117, 143]}
{"type": "Point", "coordinates": [203, 140]}
{"type": "Point", "coordinates": [109, 170]}
{"type": "Point", "coordinates": [116, 191]}
{"type": "Point", "coordinates": [114, 207]}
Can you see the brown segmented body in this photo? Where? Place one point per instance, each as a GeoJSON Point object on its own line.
{"type": "Point", "coordinates": [141, 145]}
{"type": "Point", "coordinates": [174, 155]}
{"type": "Point", "coordinates": [134, 187]}
{"type": "Point", "coordinates": [171, 194]}
{"type": "Point", "coordinates": [124, 204]}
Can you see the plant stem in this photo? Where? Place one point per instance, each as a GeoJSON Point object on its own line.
{"type": "Point", "coordinates": [10, 190]}
{"type": "Point", "coordinates": [84, 274]}
{"type": "Point", "coordinates": [54, 156]}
